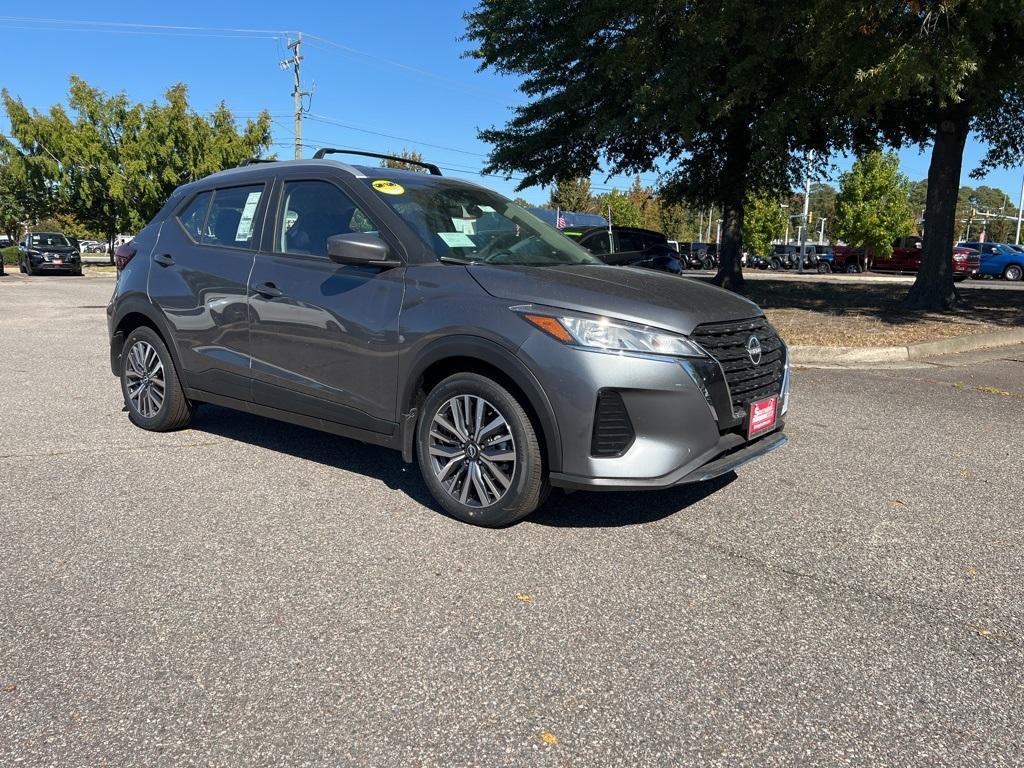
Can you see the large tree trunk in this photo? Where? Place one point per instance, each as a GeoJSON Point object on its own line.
{"type": "Point", "coordinates": [734, 187]}
{"type": "Point", "coordinates": [730, 270]}
{"type": "Point", "coordinates": [933, 288]}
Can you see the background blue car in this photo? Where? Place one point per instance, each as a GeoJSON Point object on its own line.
{"type": "Point", "coordinates": [998, 260]}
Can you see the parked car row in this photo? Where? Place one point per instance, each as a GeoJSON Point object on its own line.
{"type": "Point", "coordinates": [998, 259]}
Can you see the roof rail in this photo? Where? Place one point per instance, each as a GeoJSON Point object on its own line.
{"type": "Point", "coordinates": [255, 161]}
{"type": "Point", "coordinates": [321, 153]}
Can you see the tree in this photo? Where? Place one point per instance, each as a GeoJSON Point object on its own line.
{"type": "Point", "coordinates": [605, 86]}
{"type": "Point", "coordinates": [112, 164]}
{"type": "Point", "coordinates": [408, 154]}
{"type": "Point", "coordinates": [623, 209]}
{"type": "Point", "coordinates": [14, 212]}
{"type": "Point", "coordinates": [873, 205]}
{"type": "Point", "coordinates": [764, 221]}
{"type": "Point", "coordinates": [572, 194]}
{"type": "Point", "coordinates": [932, 72]}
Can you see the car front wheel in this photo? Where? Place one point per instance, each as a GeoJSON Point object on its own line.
{"type": "Point", "coordinates": [852, 269]}
{"type": "Point", "coordinates": [149, 382]}
{"type": "Point", "coordinates": [479, 453]}
{"type": "Point", "coordinates": [824, 268]}
{"type": "Point", "coordinates": [1013, 272]}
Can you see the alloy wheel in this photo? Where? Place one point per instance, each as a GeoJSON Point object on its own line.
{"type": "Point", "coordinates": [144, 379]}
{"type": "Point", "coordinates": [472, 451]}
{"type": "Point", "coordinates": [1013, 272]}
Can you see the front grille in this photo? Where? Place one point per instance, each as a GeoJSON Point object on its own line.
{"type": "Point", "coordinates": [613, 431]}
{"type": "Point", "coordinates": [727, 343]}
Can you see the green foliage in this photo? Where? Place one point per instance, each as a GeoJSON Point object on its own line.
{"type": "Point", "coordinates": [873, 206]}
{"type": "Point", "coordinates": [708, 88]}
{"type": "Point", "coordinates": [408, 154]}
{"type": "Point", "coordinates": [112, 163]}
{"type": "Point", "coordinates": [573, 194]}
{"type": "Point", "coordinates": [763, 222]}
{"type": "Point", "coordinates": [624, 210]}
{"type": "Point", "coordinates": [9, 255]}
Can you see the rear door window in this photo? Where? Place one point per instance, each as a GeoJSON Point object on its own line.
{"type": "Point", "coordinates": [232, 217]}
{"type": "Point", "coordinates": [193, 215]}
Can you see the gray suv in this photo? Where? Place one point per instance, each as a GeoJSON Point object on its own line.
{"type": "Point", "coordinates": [435, 317]}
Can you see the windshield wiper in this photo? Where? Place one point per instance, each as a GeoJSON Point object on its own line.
{"type": "Point", "coordinates": [457, 260]}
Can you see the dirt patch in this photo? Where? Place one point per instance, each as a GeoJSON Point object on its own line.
{"type": "Point", "coordinates": [864, 315]}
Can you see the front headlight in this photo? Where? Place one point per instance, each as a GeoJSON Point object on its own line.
{"type": "Point", "coordinates": [601, 333]}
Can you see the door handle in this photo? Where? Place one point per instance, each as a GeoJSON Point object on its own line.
{"type": "Point", "coordinates": [164, 260]}
{"type": "Point", "coordinates": [269, 290]}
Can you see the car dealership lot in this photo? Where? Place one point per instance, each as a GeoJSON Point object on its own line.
{"type": "Point", "coordinates": [247, 592]}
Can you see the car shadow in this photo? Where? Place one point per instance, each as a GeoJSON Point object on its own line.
{"type": "Point", "coordinates": [562, 510]}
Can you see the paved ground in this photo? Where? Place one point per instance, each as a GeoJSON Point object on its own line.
{"type": "Point", "coordinates": [249, 593]}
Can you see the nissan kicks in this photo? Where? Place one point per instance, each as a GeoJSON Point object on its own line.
{"type": "Point", "coordinates": [435, 317]}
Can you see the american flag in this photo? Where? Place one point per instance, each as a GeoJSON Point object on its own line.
{"type": "Point", "coordinates": [559, 220]}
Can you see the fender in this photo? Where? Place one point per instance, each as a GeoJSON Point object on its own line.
{"type": "Point", "coordinates": [138, 304]}
{"type": "Point", "coordinates": [500, 357]}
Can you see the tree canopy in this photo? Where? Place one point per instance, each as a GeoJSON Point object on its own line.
{"type": "Point", "coordinates": [113, 163]}
{"type": "Point", "coordinates": [408, 154]}
{"type": "Point", "coordinates": [932, 72]}
{"type": "Point", "coordinates": [709, 90]}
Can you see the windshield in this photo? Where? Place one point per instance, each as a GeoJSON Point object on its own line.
{"type": "Point", "coordinates": [48, 240]}
{"type": "Point", "coordinates": [468, 224]}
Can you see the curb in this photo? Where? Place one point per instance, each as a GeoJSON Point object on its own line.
{"type": "Point", "coordinates": [804, 355]}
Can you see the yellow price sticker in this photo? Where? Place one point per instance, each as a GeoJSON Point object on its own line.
{"type": "Point", "coordinates": [386, 187]}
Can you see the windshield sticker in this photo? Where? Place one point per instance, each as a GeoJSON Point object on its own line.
{"type": "Point", "coordinates": [486, 208]}
{"type": "Point", "coordinates": [244, 231]}
{"type": "Point", "coordinates": [457, 239]}
{"type": "Point", "coordinates": [386, 187]}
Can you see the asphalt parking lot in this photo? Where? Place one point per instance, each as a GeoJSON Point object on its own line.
{"type": "Point", "coordinates": [251, 593]}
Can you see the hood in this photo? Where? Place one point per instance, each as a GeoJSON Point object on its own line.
{"type": "Point", "coordinates": [639, 295]}
{"type": "Point", "coordinates": [58, 249]}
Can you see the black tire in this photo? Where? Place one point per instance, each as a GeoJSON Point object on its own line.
{"type": "Point", "coordinates": [528, 486]}
{"type": "Point", "coordinates": [852, 268]}
{"type": "Point", "coordinates": [175, 411]}
{"type": "Point", "coordinates": [21, 266]}
{"type": "Point", "coordinates": [707, 264]}
{"type": "Point", "coordinates": [77, 272]}
{"type": "Point", "coordinates": [28, 268]}
{"type": "Point", "coordinates": [824, 268]}
{"type": "Point", "coordinates": [1013, 272]}
{"type": "Point", "coordinates": [775, 265]}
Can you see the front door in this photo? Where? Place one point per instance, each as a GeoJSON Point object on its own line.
{"type": "Point", "coordinates": [324, 335]}
{"type": "Point", "coordinates": [199, 280]}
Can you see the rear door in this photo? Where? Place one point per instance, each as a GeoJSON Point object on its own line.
{"type": "Point", "coordinates": [199, 280]}
{"type": "Point", "coordinates": [324, 335]}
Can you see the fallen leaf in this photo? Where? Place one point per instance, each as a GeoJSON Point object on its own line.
{"type": "Point", "coordinates": [972, 571]}
{"type": "Point", "coordinates": [548, 738]}
{"type": "Point", "coordinates": [983, 632]}
{"type": "Point", "coordinates": [899, 503]}
{"type": "Point", "coordinates": [523, 597]}
{"type": "Point", "coordinates": [10, 688]}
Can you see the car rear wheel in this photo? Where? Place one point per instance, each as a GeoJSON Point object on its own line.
{"type": "Point", "coordinates": [1013, 272]}
{"type": "Point", "coordinates": [852, 268]}
{"type": "Point", "coordinates": [707, 264]}
{"type": "Point", "coordinates": [775, 264]}
{"type": "Point", "coordinates": [824, 268]}
{"type": "Point", "coordinates": [479, 453]}
{"type": "Point", "coordinates": [149, 382]}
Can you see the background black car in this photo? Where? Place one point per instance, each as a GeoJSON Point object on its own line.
{"type": "Point", "coordinates": [699, 255]}
{"type": "Point", "coordinates": [786, 257]}
{"type": "Point", "coordinates": [49, 252]}
{"type": "Point", "coordinates": [628, 246]}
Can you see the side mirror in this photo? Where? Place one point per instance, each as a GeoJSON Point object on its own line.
{"type": "Point", "coordinates": [360, 248]}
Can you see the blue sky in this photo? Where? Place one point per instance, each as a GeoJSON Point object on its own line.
{"type": "Point", "coordinates": [390, 67]}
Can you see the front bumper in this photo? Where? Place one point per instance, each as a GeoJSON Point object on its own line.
{"type": "Point", "coordinates": [686, 429]}
{"type": "Point", "coordinates": [734, 453]}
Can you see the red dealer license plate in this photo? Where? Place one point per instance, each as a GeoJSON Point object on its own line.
{"type": "Point", "coordinates": [58, 262]}
{"type": "Point", "coordinates": [762, 416]}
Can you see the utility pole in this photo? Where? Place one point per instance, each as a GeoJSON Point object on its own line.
{"type": "Point", "coordinates": [1020, 209]}
{"type": "Point", "coordinates": [297, 93]}
{"type": "Point", "coordinates": [821, 235]}
{"type": "Point", "coordinates": [807, 209]}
